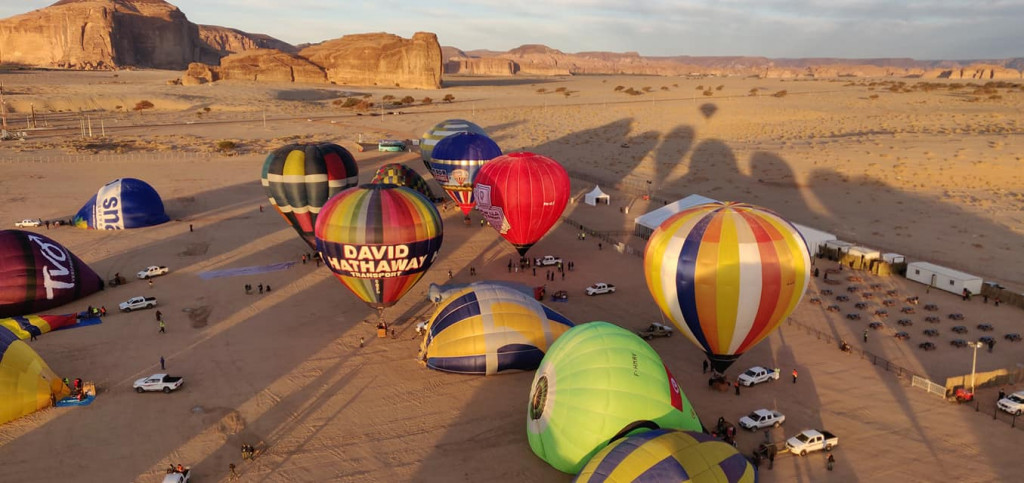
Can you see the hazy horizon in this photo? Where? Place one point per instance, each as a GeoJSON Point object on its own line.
{"type": "Point", "coordinates": [853, 29]}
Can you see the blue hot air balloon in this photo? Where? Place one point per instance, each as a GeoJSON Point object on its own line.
{"type": "Point", "coordinates": [120, 204]}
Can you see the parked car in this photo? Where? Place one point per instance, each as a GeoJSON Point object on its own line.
{"type": "Point", "coordinates": [928, 346]}
{"type": "Point", "coordinates": [152, 271]}
{"type": "Point", "coordinates": [546, 260]}
{"type": "Point", "coordinates": [26, 223]}
{"type": "Point", "coordinates": [811, 440]}
{"type": "Point", "coordinates": [757, 375]}
{"type": "Point", "coordinates": [136, 303]}
{"type": "Point", "coordinates": [762, 418]}
{"type": "Point", "coordinates": [655, 330]}
{"type": "Point", "coordinates": [600, 288]}
{"type": "Point", "coordinates": [1013, 404]}
{"type": "Point", "coordinates": [158, 382]}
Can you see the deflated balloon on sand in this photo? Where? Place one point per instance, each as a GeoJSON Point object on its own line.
{"type": "Point", "coordinates": [490, 329]}
{"type": "Point", "coordinates": [727, 274]}
{"type": "Point", "coordinates": [26, 382]}
{"type": "Point", "coordinates": [597, 382]}
{"type": "Point", "coordinates": [37, 273]}
{"type": "Point", "coordinates": [299, 179]}
{"type": "Point", "coordinates": [120, 204]}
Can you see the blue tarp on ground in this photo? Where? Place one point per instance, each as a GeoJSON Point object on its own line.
{"type": "Point", "coordinates": [72, 401]}
{"type": "Point", "coordinates": [234, 272]}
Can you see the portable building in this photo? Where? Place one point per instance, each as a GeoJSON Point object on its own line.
{"type": "Point", "coordinates": [835, 249]}
{"type": "Point", "coordinates": [644, 225]}
{"type": "Point", "coordinates": [947, 279]}
{"type": "Point", "coordinates": [815, 238]}
{"type": "Point", "coordinates": [596, 196]}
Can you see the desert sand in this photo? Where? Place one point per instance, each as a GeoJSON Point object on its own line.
{"type": "Point", "coordinates": [929, 174]}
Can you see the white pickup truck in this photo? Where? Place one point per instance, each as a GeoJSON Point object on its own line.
{"type": "Point", "coordinates": [153, 271]}
{"type": "Point", "coordinates": [546, 260]}
{"type": "Point", "coordinates": [158, 382]}
{"type": "Point", "coordinates": [757, 375]}
{"type": "Point", "coordinates": [136, 303]}
{"type": "Point", "coordinates": [811, 440]}
{"type": "Point", "coordinates": [599, 288]}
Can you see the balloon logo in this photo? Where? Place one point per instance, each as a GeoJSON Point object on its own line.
{"type": "Point", "coordinates": [300, 178]}
{"type": "Point", "coordinates": [727, 274]}
{"type": "Point", "coordinates": [379, 240]}
{"type": "Point", "coordinates": [441, 131]}
{"type": "Point", "coordinates": [37, 273]}
{"type": "Point", "coordinates": [455, 162]}
{"type": "Point", "coordinates": [120, 204]}
{"type": "Point", "coordinates": [522, 195]}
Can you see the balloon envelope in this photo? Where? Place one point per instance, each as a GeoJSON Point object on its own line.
{"type": "Point", "coordinates": [490, 329]}
{"type": "Point", "coordinates": [26, 382]}
{"type": "Point", "coordinates": [595, 381]}
{"type": "Point", "coordinates": [379, 240]}
{"type": "Point", "coordinates": [455, 162]}
{"type": "Point", "coordinates": [37, 273]}
{"type": "Point", "coordinates": [522, 195]}
{"type": "Point", "coordinates": [299, 178]}
{"type": "Point", "coordinates": [120, 204]}
{"type": "Point", "coordinates": [402, 175]}
{"type": "Point", "coordinates": [25, 327]}
{"type": "Point", "coordinates": [442, 130]}
{"type": "Point", "coordinates": [727, 274]}
{"type": "Point", "coordinates": [668, 455]}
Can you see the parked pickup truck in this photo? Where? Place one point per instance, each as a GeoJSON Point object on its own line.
{"type": "Point", "coordinates": [136, 303]}
{"type": "Point", "coordinates": [546, 260]}
{"type": "Point", "coordinates": [757, 375]}
{"type": "Point", "coordinates": [158, 382]}
{"type": "Point", "coordinates": [599, 288]}
{"type": "Point", "coordinates": [811, 440]}
{"type": "Point", "coordinates": [153, 271]}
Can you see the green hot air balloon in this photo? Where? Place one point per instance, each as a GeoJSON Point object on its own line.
{"type": "Point", "coordinates": [599, 381]}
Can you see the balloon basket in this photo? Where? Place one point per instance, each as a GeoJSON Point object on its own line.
{"type": "Point", "coordinates": [382, 332]}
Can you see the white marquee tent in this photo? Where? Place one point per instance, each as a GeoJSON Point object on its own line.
{"type": "Point", "coordinates": [596, 196]}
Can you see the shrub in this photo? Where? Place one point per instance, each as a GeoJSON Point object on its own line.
{"type": "Point", "coordinates": [448, 98]}
{"type": "Point", "coordinates": [364, 105]}
{"type": "Point", "coordinates": [206, 109]}
{"type": "Point", "coordinates": [781, 93]}
{"type": "Point", "coordinates": [708, 92]}
{"type": "Point", "coordinates": [408, 100]}
{"type": "Point", "coordinates": [753, 92]}
{"type": "Point", "coordinates": [664, 88]}
{"type": "Point", "coordinates": [427, 100]}
{"type": "Point", "coordinates": [619, 88]}
{"type": "Point", "coordinates": [388, 97]}
{"type": "Point", "coordinates": [700, 87]}
{"type": "Point", "coordinates": [633, 92]}
{"type": "Point", "coordinates": [143, 105]}
{"type": "Point", "coordinates": [647, 89]}
{"type": "Point", "coordinates": [873, 96]}
{"type": "Point", "coordinates": [226, 146]}
{"type": "Point", "coordinates": [720, 87]}
{"type": "Point", "coordinates": [541, 90]}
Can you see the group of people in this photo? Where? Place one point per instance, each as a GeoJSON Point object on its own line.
{"type": "Point", "coordinates": [96, 311]}
{"type": "Point", "coordinates": [179, 468]}
{"type": "Point", "coordinates": [260, 287]}
{"type": "Point", "coordinates": [248, 451]}
{"type": "Point", "coordinates": [314, 256]}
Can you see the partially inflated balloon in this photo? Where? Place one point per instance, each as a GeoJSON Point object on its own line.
{"type": "Point", "coordinates": [595, 382]}
{"type": "Point", "coordinates": [120, 204]}
{"type": "Point", "coordinates": [28, 326]}
{"type": "Point", "coordinates": [455, 162]}
{"type": "Point", "coordinates": [37, 273]}
{"type": "Point", "coordinates": [300, 178]}
{"type": "Point", "coordinates": [379, 240]}
{"type": "Point", "coordinates": [727, 274]}
{"type": "Point", "coordinates": [490, 329]}
{"type": "Point", "coordinates": [522, 195]}
{"type": "Point", "coordinates": [441, 131]}
{"type": "Point", "coordinates": [402, 175]}
{"type": "Point", "coordinates": [26, 382]}
{"type": "Point", "coordinates": [668, 455]}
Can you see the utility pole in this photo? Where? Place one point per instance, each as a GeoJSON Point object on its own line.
{"type": "Point", "coordinates": [3, 108]}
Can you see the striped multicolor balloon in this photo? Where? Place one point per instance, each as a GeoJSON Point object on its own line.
{"type": "Point", "coordinates": [490, 329]}
{"type": "Point", "coordinates": [402, 175]}
{"type": "Point", "coordinates": [668, 455]}
{"type": "Point", "coordinates": [456, 161]}
{"type": "Point", "coordinates": [300, 178]}
{"type": "Point", "coordinates": [379, 240]}
{"type": "Point", "coordinates": [442, 130]}
{"type": "Point", "coordinates": [28, 326]}
{"type": "Point", "coordinates": [727, 274]}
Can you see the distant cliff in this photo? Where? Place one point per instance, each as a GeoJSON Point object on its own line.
{"type": "Point", "coordinates": [380, 59]}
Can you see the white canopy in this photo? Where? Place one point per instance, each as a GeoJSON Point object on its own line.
{"type": "Point", "coordinates": [596, 195]}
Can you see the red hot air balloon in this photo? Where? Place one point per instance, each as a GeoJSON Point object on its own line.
{"type": "Point", "coordinates": [522, 195]}
{"type": "Point", "coordinates": [379, 240]}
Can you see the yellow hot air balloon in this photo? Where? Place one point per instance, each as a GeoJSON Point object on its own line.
{"type": "Point", "coordinates": [26, 382]}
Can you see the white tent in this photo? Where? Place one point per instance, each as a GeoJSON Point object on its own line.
{"type": "Point", "coordinates": [815, 239]}
{"type": "Point", "coordinates": [595, 196]}
{"type": "Point", "coordinates": [644, 225]}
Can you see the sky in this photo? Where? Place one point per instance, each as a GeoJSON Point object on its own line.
{"type": "Point", "coordinates": [919, 29]}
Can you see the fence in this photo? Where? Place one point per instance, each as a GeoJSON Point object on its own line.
{"type": "Point", "coordinates": [928, 386]}
{"type": "Point", "coordinates": [899, 371]}
{"type": "Point", "coordinates": [108, 158]}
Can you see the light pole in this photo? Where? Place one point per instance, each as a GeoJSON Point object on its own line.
{"type": "Point", "coordinates": [974, 362]}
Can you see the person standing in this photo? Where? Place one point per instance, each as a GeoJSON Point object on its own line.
{"type": "Point", "coordinates": [260, 286]}
{"type": "Point", "coordinates": [737, 386]}
{"type": "Point", "coordinates": [705, 366]}
{"type": "Point", "coordinates": [159, 316]}
{"type": "Point", "coordinates": [234, 474]}
{"type": "Point", "coordinates": [771, 456]}
{"type": "Point", "coordinates": [1002, 394]}
{"type": "Point", "coordinates": [162, 363]}
{"type": "Point", "coordinates": [150, 283]}
{"type": "Point", "coordinates": [163, 327]}
{"type": "Point", "coordinates": [794, 376]}
{"type": "Point", "coordinates": [831, 461]}
{"type": "Point", "coordinates": [865, 336]}
{"type": "Point", "coordinates": [33, 336]}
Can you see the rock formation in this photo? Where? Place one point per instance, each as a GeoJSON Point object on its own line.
{"type": "Point", "coordinates": [223, 41]}
{"type": "Point", "coordinates": [380, 59]}
{"type": "Point", "coordinates": [267, 65]}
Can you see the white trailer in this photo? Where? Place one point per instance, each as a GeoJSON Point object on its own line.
{"type": "Point", "coordinates": [815, 239]}
{"type": "Point", "coordinates": [943, 278]}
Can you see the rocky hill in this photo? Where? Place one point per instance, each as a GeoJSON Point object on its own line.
{"type": "Point", "coordinates": [380, 59]}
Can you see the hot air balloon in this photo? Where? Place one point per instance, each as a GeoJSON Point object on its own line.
{"type": "Point", "coordinates": [597, 381]}
{"type": "Point", "coordinates": [455, 162]}
{"type": "Point", "coordinates": [522, 195]}
{"type": "Point", "coordinates": [37, 273]}
{"type": "Point", "coordinates": [26, 382]}
{"type": "Point", "coordinates": [379, 240]}
{"type": "Point", "coordinates": [25, 327]}
{"type": "Point", "coordinates": [490, 329]}
{"type": "Point", "coordinates": [727, 274]}
{"type": "Point", "coordinates": [402, 175]}
{"type": "Point", "coordinates": [668, 455]}
{"type": "Point", "coordinates": [300, 178]}
{"type": "Point", "coordinates": [441, 131]}
{"type": "Point", "coordinates": [122, 203]}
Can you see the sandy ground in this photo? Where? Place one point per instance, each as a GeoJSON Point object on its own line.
{"type": "Point", "coordinates": [926, 174]}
